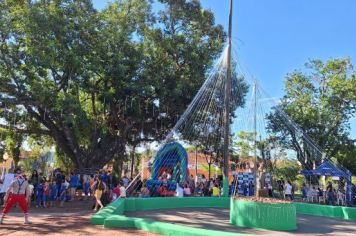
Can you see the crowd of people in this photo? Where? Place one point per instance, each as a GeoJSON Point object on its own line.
{"type": "Point", "coordinates": [57, 188]}
{"type": "Point", "coordinates": [191, 187]}
{"type": "Point", "coordinates": [330, 196]}
{"type": "Point", "coordinates": [38, 190]}
{"type": "Point", "coordinates": [314, 193]}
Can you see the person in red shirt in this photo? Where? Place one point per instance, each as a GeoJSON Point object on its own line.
{"type": "Point", "coordinates": [46, 194]}
{"type": "Point", "coordinates": [164, 192]}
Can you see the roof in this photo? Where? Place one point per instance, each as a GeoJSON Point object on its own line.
{"type": "Point", "coordinates": [327, 168]}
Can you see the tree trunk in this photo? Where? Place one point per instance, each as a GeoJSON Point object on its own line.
{"type": "Point", "coordinates": [132, 161]}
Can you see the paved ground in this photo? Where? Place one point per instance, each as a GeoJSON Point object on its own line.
{"type": "Point", "coordinates": [218, 219]}
{"type": "Point", "coordinates": [73, 220]}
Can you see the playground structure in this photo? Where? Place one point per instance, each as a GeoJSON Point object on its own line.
{"type": "Point", "coordinates": [172, 158]}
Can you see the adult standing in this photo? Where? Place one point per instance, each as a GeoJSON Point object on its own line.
{"type": "Point", "coordinates": [19, 194]}
{"type": "Point", "coordinates": [281, 187]}
{"type": "Point", "coordinates": [289, 190]}
{"type": "Point", "coordinates": [330, 194]}
{"type": "Point", "coordinates": [9, 177]}
{"type": "Point", "coordinates": [59, 179]}
{"type": "Point", "coordinates": [100, 188]}
{"type": "Point", "coordinates": [35, 181]}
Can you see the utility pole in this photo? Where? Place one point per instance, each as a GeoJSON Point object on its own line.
{"type": "Point", "coordinates": [227, 111]}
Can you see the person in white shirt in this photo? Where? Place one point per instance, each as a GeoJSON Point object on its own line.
{"type": "Point", "coordinates": [122, 191]}
{"type": "Point", "coordinates": [179, 191]}
{"type": "Point", "coordinates": [340, 197]}
{"type": "Point", "coordinates": [5, 185]}
{"type": "Point", "coordinates": [288, 192]}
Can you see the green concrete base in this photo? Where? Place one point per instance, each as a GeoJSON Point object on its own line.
{"type": "Point", "coordinates": [112, 216]}
{"type": "Point", "coordinates": [161, 227]}
{"type": "Point", "coordinates": [260, 215]}
{"type": "Point", "coordinates": [347, 213]}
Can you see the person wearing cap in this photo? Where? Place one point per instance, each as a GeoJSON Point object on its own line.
{"type": "Point", "coordinates": [17, 193]}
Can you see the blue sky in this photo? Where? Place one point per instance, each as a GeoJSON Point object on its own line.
{"type": "Point", "coordinates": [275, 37]}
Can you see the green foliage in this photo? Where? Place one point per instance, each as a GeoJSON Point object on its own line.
{"type": "Point", "coordinates": [287, 169]}
{"type": "Point", "coordinates": [13, 146]}
{"type": "Point", "coordinates": [322, 101]}
{"type": "Point", "coordinates": [27, 165]}
{"type": "Point", "coordinates": [96, 81]}
{"type": "Point", "coordinates": [244, 143]}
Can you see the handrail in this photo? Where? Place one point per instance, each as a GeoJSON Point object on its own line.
{"type": "Point", "coordinates": [133, 181]}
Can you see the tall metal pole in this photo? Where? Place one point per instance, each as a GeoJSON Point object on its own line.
{"type": "Point", "coordinates": [255, 134]}
{"type": "Point", "coordinates": [255, 121]}
{"type": "Point", "coordinates": [227, 111]}
{"type": "Point", "coordinates": [196, 162]}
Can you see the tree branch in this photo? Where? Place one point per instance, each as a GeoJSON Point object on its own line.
{"type": "Point", "coordinates": [27, 131]}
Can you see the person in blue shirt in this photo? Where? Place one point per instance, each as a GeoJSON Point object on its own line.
{"type": "Point", "coordinates": [39, 193]}
{"type": "Point", "coordinates": [59, 178]}
{"type": "Point", "coordinates": [73, 184]}
{"type": "Point", "coordinates": [104, 176]}
{"type": "Point", "coordinates": [53, 193]}
{"type": "Point", "coordinates": [86, 187]}
{"type": "Point", "coordinates": [62, 193]}
{"type": "Point", "coordinates": [304, 192]}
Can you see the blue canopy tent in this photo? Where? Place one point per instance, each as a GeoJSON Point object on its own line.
{"type": "Point", "coordinates": [327, 168]}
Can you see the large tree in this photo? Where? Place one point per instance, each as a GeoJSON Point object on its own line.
{"type": "Point", "coordinates": [321, 101]}
{"type": "Point", "coordinates": [96, 81]}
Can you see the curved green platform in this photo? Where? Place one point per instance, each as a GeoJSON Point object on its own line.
{"type": "Point", "coordinates": [266, 216]}
{"type": "Point", "coordinates": [263, 215]}
{"type": "Point", "coordinates": [347, 213]}
{"type": "Point", "coordinates": [113, 216]}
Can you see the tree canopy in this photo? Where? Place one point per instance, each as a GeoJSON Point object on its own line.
{"type": "Point", "coordinates": [95, 81]}
{"type": "Point", "coordinates": [321, 100]}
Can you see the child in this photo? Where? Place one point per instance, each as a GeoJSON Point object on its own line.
{"type": "Point", "coordinates": [122, 191]}
{"type": "Point", "coordinates": [73, 184]}
{"type": "Point", "coordinates": [216, 192]}
{"type": "Point", "coordinates": [53, 193]}
{"type": "Point", "coordinates": [46, 194]}
{"type": "Point", "coordinates": [115, 192]}
{"type": "Point", "coordinates": [62, 195]}
{"type": "Point", "coordinates": [39, 193]}
{"type": "Point", "coordinates": [186, 191]}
